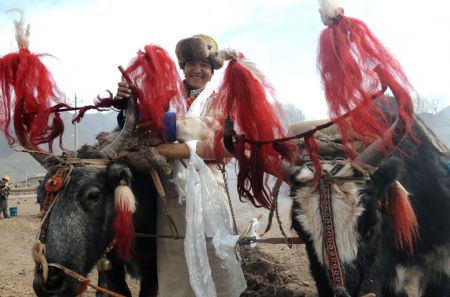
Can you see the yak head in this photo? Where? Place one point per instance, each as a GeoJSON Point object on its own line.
{"type": "Point", "coordinates": [364, 197]}
{"type": "Point", "coordinates": [92, 209]}
{"type": "Point", "coordinates": [79, 226]}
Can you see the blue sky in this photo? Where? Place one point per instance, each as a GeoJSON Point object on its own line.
{"type": "Point", "coordinates": [89, 39]}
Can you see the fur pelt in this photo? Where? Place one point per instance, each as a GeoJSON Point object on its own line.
{"type": "Point", "coordinates": [198, 47]}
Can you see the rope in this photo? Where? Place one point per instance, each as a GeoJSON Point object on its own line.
{"type": "Point", "coordinates": [84, 280]}
{"type": "Point", "coordinates": [38, 253]}
{"type": "Point", "coordinates": [315, 129]}
{"type": "Point", "coordinates": [243, 240]}
{"type": "Point", "coordinates": [274, 210]}
{"type": "Point", "coordinates": [275, 192]}
{"type": "Point", "coordinates": [39, 259]}
{"type": "Point", "coordinates": [227, 191]}
{"type": "Point", "coordinates": [280, 225]}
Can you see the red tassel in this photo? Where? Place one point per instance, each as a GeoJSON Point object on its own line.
{"type": "Point", "coordinates": [251, 183]}
{"type": "Point", "coordinates": [406, 228]}
{"type": "Point", "coordinates": [348, 57]}
{"type": "Point", "coordinates": [56, 129]}
{"type": "Point", "coordinates": [28, 85]}
{"type": "Point", "coordinates": [313, 148]}
{"type": "Point", "coordinates": [242, 96]}
{"type": "Point", "coordinates": [100, 104]}
{"type": "Point", "coordinates": [157, 83]}
{"type": "Point", "coordinates": [124, 232]}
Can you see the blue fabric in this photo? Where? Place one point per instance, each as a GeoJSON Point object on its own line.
{"type": "Point", "coordinates": [170, 126]}
{"type": "Point", "coordinates": [120, 119]}
{"type": "Point", "coordinates": [448, 166]}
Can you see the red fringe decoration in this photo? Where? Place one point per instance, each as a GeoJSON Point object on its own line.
{"type": "Point", "coordinates": [82, 286]}
{"type": "Point", "coordinates": [251, 184]}
{"type": "Point", "coordinates": [28, 85]}
{"type": "Point", "coordinates": [404, 219]}
{"type": "Point", "coordinates": [243, 98]}
{"type": "Point", "coordinates": [124, 232]}
{"type": "Point", "coordinates": [347, 57]}
{"type": "Point", "coordinates": [100, 104]}
{"type": "Point", "coordinates": [313, 148]}
{"type": "Point", "coordinates": [157, 82]}
{"type": "Point", "coordinates": [56, 129]}
{"type": "Point", "coordinates": [287, 150]}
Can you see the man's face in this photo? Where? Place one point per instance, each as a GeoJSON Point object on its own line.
{"type": "Point", "coordinates": [198, 73]}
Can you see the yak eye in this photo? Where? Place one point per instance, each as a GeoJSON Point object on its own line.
{"type": "Point", "coordinates": [357, 173]}
{"type": "Point", "coordinates": [94, 194]}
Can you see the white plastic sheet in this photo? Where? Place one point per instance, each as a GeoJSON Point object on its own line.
{"type": "Point", "coordinates": [206, 215]}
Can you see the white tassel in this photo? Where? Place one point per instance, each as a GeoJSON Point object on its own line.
{"type": "Point", "coordinates": [124, 198]}
{"type": "Point", "coordinates": [22, 35]}
{"type": "Point", "coordinates": [228, 54]}
{"type": "Point", "coordinates": [232, 54]}
{"type": "Point", "coordinates": [329, 11]}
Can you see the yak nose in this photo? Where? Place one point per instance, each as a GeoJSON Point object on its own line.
{"type": "Point", "coordinates": [53, 284]}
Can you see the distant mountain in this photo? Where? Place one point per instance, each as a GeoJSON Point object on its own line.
{"type": "Point", "coordinates": [445, 113]}
{"type": "Point", "coordinates": [439, 123]}
{"type": "Point", "coordinates": [21, 165]}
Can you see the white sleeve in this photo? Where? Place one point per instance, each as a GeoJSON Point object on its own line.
{"type": "Point", "coordinates": [194, 128]}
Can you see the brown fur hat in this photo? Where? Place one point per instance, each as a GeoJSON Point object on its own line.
{"type": "Point", "coordinates": [198, 47]}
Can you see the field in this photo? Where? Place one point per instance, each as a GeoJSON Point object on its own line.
{"type": "Point", "coordinates": [271, 270]}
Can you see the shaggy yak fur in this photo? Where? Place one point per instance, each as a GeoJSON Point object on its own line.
{"type": "Point", "coordinates": [366, 225]}
{"type": "Point", "coordinates": [80, 227]}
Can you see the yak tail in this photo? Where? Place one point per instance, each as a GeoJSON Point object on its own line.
{"type": "Point", "coordinates": [406, 228]}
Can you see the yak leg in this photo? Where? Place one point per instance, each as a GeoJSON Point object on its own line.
{"type": "Point", "coordinates": [318, 273]}
{"type": "Point", "coordinates": [380, 281]}
{"type": "Point", "coordinates": [146, 255]}
{"type": "Point", "coordinates": [114, 279]}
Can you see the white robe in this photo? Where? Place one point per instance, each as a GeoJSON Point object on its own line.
{"type": "Point", "coordinates": [173, 272]}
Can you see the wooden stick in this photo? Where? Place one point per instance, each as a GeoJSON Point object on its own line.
{"type": "Point", "coordinates": [81, 278]}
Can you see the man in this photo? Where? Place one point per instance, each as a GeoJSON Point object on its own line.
{"type": "Point", "coordinates": [4, 195]}
{"type": "Point", "coordinates": [198, 57]}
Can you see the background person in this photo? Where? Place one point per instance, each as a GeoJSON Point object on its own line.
{"type": "Point", "coordinates": [4, 195]}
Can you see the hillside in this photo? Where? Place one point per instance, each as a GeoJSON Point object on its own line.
{"type": "Point", "coordinates": [21, 165]}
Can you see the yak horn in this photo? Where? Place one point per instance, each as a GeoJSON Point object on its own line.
{"type": "Point", "coordinates": [117, 145]}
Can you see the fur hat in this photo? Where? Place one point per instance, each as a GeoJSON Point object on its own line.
{"type": "Point", "coordinates": [198, 47]}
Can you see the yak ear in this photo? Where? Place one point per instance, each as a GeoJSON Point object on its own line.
{"type": "Point", "coordinates": [119, 178]}
{"type": "Point", "coordinates": [387, 174]}
{"type": "Point", "coordinates": [399, 207]}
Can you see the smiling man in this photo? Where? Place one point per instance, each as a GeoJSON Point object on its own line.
{"type": "Point", "coordinates": [198, 58]}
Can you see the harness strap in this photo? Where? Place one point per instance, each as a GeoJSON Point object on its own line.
{"type": "Point", "coordinates": [161, 193]}
{"type": "Point", "coordinates": [337, 275]}
{"type": "Point", "coordinates": [63, 173]}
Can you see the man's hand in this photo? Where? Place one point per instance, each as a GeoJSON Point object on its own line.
{"type": "Point", "coordinates": [123, 91]}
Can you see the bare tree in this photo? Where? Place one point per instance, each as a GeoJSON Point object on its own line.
{"type": "Point", "coordinates": [292, 113]}
{"type": "Point", "coordinates": [429, 105]}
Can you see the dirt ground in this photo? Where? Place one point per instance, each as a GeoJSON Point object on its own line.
{"type": "Point", "coordinates": [271, 270]}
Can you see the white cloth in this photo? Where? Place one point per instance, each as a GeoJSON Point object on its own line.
{"type": "Point", "coordinates": [207, 216]}
{"type": "Point", "coordinates": [198, 107]}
